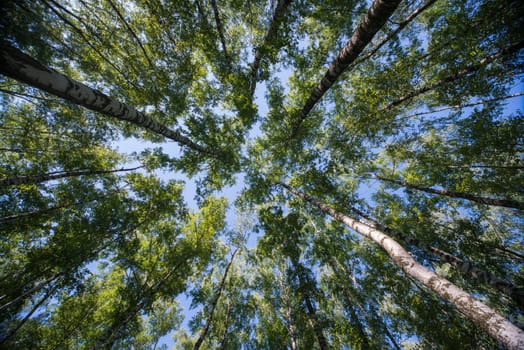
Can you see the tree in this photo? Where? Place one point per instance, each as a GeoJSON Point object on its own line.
{"type": "Point", "coordinates": [479, 313]}
{"type": "Point", "coordinates": [398, 119]}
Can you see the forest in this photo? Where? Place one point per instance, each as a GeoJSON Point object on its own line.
{"type": "Point", "coordinates": [282, 174]}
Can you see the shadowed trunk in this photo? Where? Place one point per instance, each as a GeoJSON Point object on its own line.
{"type": "Point", "coordinates": [211, 313]}
{"type": "Point", "coordinates": [305, 280]}
{"type": "Point", "coordinates": [270, 34]}
{"type": "Point", "coordinates": [13, 331]}
{"type": "Point", "coordinates": [349, 304]}
{"type": "Point", "coordinates": [220, 30]}
{"type": "Point", "coordinates": [39, 286]}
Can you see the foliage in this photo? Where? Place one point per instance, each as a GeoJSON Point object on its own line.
{"type": "Point", "coordinates": [116, 258]}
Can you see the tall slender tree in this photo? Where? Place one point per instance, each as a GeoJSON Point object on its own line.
{"type": "Point", "coordinates": [498, 327]}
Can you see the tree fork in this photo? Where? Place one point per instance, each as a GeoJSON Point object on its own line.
{"type": "Point", "coordinates": [482, 315]}
{"type": "Point", "coordinates": [401, 26]}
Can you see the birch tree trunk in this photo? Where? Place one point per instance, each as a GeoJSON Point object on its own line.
{"type": "Point", "coordinates": [508, 203]}
{"type": "Point", "coordinates": [466, 267]}
{"type": "Point", "coordinates": [375, 18]}
{"type": "Point", "coordinates": [17, 65]}
{"type": "Point", "coordinates": [483, 316]}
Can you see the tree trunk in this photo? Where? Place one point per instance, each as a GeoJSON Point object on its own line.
{"type": "Point", "coordinates": [210, 316]}
{"type": "Point", "coordinates": [401, 26]}
{"type": "Point", "coordinates": [22, 180]}
{"type": "Point", "coordinates": [354, 317]}
{"type": "Point", "coordinates": [39, 286]}
{"type": "Point", "coordinates": [223, 340]}
{"type": "Point", "coordinates": [17, 65]}
{"type": "Point", "coordinates": [319, 332]}
{"type": "Point", "coordinates": [288, 316]}
{"type": "Point", "coordinates": [310, 308]}
{"type": "Point", "coordinates": [13, 331]}
{"type": "Point", "coordinates": [376, 17]}
{"type": "Point", "coordinates": [466, 267]}
{"type": "Point", "coordinates": [220, 30]}
{"type": "Point", "coordinates": [486, 318]}
{"type": "Point", "coordinates": [280, 10]}
{"type": "Point", "coordinates": [508, 203]}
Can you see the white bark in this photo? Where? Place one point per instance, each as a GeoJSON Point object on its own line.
{"type": "Point", "coordinates": [482, 315]}
{"type": "Point", "coordinates": [19, 66]}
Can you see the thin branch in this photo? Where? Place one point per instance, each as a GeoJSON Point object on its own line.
{"type": "Point", "coordinates": [508, 203]}
{"type": "Point", "coordinates": [401, 26]}
{"type": "Point", "coordinates": [463, 105]}
{"type": "Point", "coordinates": [460, 74]}
{"type": "Point", "coordinates": [132, 33]}
{"type": "Point", "coordinates": [20, 180]}
{"type": "Point", "coordinates": [88, 42]}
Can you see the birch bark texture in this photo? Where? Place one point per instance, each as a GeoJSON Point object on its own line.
{"type": "Point", "coordinates": [19, 66]}
{"type": "Point", "coordinates": [482, 315]}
